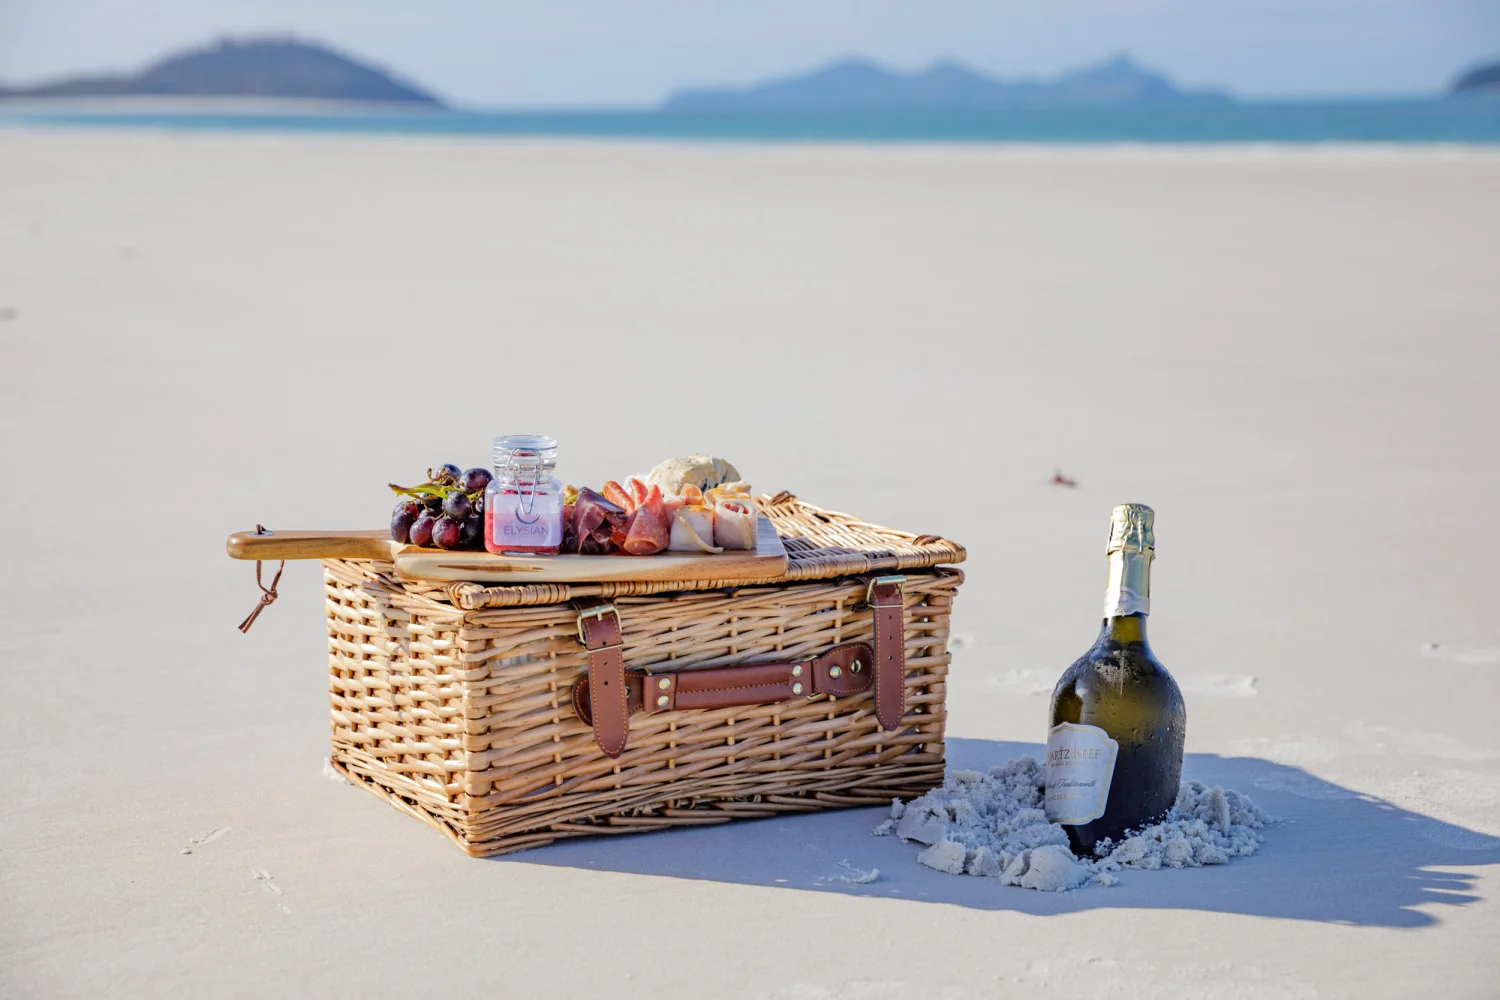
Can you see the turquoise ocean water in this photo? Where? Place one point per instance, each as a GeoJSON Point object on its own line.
{"type": "Point", "coordinates": [1455, 120]}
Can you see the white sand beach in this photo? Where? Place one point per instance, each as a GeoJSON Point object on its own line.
{"type": "Point", "coordinates": [1292, 355]}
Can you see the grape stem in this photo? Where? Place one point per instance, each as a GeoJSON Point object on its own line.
{"type": "Point", "coordinates": [434, 490]}
{"type": "Point", "coordinates": [426, 489]}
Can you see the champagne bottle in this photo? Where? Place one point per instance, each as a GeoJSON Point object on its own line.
{"type": "Point", "coordinates": [1114, 750]}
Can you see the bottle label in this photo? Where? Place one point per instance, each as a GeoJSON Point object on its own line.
{"type": "Point", "coordinates": [1080, 766]}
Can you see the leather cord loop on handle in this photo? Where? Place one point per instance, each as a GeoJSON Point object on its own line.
{"type": "Point", "coordinates": [267, 594]}
{"type": "Point", "coordinates": [842, 671]}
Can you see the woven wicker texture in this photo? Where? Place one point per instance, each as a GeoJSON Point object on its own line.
{"type": "Point", "coordinates": [458, 712]}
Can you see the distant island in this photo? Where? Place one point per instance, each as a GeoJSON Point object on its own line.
{"type": "Point", "coordinates": [865, 85]}
{"type": "Point", "coordinates": [268, 67]}
{"type": "Point", "coordinates": [1479, 80]}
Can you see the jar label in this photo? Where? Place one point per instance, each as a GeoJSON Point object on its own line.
{"type": "Point", "coordinates": [538, 523]}
{"type": "Point", "coordinates": [1080, 766]}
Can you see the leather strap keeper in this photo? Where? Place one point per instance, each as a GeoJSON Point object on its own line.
{"type": "Point", "coordinates": [842, 671]}
{"type": "Point", "coordinates": [887, 601]}
{"type": "Point", "coordinates": [599, 631]}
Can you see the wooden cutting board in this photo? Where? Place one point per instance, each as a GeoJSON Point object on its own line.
{"type": "Point", "coordinates": [767, 561]}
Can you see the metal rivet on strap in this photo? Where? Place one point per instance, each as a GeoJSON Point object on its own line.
{"type": "Point", "coordinates": [664, 683]}
{"type": "Point", "coordinates": [663, 701]}
{"type": "Point", "coordinates": [797, 687]}
{"type": "Point", "coordinates": [834, 671]}
{"type": "Point", "coordinates": [797, 670]}
{"type": "Point", "coordinates": [856, 666]}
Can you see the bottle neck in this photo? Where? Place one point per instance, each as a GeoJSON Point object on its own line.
{"type": "Point", "coordinates": [1123, 630]}
{"type": "Point", "coordinates": [1128, 592]}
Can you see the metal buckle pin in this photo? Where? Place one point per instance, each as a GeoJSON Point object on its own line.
{"type": "Point", "coordinates": [898, 580]}
{"type": "Point", "coordinates": [597, 612]}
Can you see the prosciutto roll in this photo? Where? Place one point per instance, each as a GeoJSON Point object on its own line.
{"type": "Point", "coordinates": [619, 496]}
{"type": "Point", "coordinates": [693, 530]}
{"type": "Point", "coordinates": [735, 523]}
{"type": "Point", "coordinates": [638, 492]}
{"type": "Point", "coordinates": [650, 526]}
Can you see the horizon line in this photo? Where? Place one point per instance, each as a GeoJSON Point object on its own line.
{"type": "Point", "coordinates": [401, 77]}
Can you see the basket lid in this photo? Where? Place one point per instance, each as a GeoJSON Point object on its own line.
{"type": "Point", "coordinates": [820, 545]}
{"type": "Point", "coordinates": [825, 544]}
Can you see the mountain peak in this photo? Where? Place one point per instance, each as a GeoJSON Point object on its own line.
{"type": "Point", "coordinates": [248, 67]}
{"type": "Point", "coordinates": [859, 83]}
{"type": "Point", "coordinates": [1122, 61]}
{"type": "Point", "coordinates": [1483, 79]}
{"type": "Point", "coordinates": [855, 64]}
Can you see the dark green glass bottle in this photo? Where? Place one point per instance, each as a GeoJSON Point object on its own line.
{"type": "Point", "coordinates": [1114, 749]}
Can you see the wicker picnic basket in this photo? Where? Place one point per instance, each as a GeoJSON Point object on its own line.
{"type": "Point", "coordinates": [467, 705]}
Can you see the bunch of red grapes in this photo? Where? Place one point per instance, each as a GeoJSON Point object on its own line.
{"type": "Point", "coordinates": [447, 511]}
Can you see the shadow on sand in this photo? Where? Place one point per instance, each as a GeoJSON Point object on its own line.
{"type": "Point", "coordinates": [1337, 856]}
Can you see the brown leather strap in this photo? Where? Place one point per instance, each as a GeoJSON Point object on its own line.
{"type": "Point", "coordinates": [599, 631]}
{"type": "Point", "coordinates": [840, 672]}
{"type": "Point", "coordinates": [886, 600]}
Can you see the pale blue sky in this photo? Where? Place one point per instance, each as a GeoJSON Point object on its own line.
{"type": "Point", "coordinates": [613, 52]}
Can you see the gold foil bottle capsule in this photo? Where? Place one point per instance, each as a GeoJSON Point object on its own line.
{"type": "Point", "coordinates": [1131, 527]}
{"type": "Point", "coordinates": [1132, 546]}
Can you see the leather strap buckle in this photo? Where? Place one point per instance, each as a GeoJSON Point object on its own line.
{"type": "Point", "coordinates": [888, 611]}
{"type": "Point", "coordinates": [598, 611]}
{"type": "Point", "coordinates": [898, 580]}
{"type": "Point", "coordinates": [601, 634]}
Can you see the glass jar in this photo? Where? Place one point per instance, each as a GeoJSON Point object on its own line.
{"type": "Point", "coordinates": [523, 505]}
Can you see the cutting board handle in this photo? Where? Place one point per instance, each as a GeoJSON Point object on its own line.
{"type": "Point", "coordinates": [265, 545]}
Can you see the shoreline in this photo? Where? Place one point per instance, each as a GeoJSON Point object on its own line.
{"type": "Point", "coordinates": [1436, 122]}
{"type": "Point", "coordinates": [1238, 151]}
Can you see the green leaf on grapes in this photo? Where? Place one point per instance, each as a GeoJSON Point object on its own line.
{"type": "Point", "coordinates": [426, 489]}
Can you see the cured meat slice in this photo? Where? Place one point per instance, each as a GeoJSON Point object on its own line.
{"type": "Point", "coordinates": [618, 495]}
{"type": "Point", "coordinates": [693, 530]}
{"type": "Point", "coordinates": [638, 490]}
{"type": "Point", "coordinates": [570, 528]}
{"type": "Point", "coordinates": [591, 510]}
{"type": "Point", "coordinates": [735, 523]}
{"type": "Point", "coordinates": [595, 520]}
{"type": "Point", "coordinates": [650, 526]}
{"type": "Point", "coordinates": [729, 491]}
